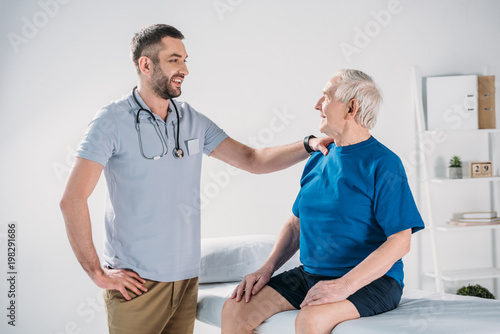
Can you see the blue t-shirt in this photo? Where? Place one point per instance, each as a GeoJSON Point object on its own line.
{"type": "Point", "coordinates": [349, 203]}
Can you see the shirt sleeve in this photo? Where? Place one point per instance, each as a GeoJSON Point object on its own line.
{"type": "Point", "coordinates": [394, 205]}
{"type": "Point", "coordinates": [101, 138]}
{"type": "Point", "coordinates": [213, 136]}
{"type": "Point", "coordinates": [295, 207]}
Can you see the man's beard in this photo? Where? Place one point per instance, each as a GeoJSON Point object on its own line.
{"type": "Point", "coordinates": [161, 85]}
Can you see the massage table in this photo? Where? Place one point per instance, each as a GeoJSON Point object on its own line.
{"type": "Point", "coordinates": [225, 261]}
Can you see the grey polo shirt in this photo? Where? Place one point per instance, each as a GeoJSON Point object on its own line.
{"type": "Point", "coordinates": [152, 218]}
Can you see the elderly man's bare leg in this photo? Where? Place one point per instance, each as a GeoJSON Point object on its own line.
{"type": "Point", "coordinates": [322, 319]}
{"type": "Point", "coordinates": [242, 317]}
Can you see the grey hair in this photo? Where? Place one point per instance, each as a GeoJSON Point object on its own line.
{"type": "Point", "coordinates": [354, 84]}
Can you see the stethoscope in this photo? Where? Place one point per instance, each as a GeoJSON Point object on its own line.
{"type": "Point", "coordinates": [177, 151]}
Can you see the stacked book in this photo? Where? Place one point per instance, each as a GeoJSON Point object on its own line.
{"type": "Point", "coordinates": [476, 219]}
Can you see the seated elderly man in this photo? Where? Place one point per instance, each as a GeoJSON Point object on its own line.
{"type": "Point", "coordinates": [353, 220]}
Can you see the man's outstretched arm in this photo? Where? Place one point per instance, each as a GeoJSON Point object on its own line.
{"type": "Point", "coordinates": [269, 159]}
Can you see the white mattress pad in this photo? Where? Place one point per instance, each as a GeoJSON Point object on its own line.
{"type": "Point", "coordinates": [418, 312]}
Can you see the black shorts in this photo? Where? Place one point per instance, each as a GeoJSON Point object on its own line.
{"type": "Point", "coordinates": [379, 296]}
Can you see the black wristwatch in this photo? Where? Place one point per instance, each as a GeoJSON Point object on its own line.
{"type": "Point", "coordinates": [306, 144]}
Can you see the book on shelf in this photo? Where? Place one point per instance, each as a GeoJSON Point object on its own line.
{"type": "Point", "coordinates": [486, 214]}
{"type": "Point", "coordinates": [478, 220]}
{"type": "Point", "coordinates": [474, 222]}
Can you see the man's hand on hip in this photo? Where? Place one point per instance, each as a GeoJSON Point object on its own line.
{"type": "Point", "coordinates": [121, 280]}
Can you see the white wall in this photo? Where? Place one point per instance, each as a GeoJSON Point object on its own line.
{"type": "Point", "coordinates": [249, 62]}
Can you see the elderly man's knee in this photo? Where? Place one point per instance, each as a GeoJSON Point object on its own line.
{"type": "Point", "coordinates": [240, 317]}
{"type": "Point", "coordinates": [308, 321]}
{"type": "Point", "coordinates": [235, 317]}
{"type": "Point", "coordinates": [230, 310]}
{"type": "Point", "coordinates": [304, 320]}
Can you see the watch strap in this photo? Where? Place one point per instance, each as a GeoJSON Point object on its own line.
{"type": "Point", "coordinates": [306, 144]}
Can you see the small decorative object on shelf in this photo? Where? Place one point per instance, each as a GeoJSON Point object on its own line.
{"type": "Point", "coordinates": [455, 168]}
{"type": "Point", "coordinates": [486, 101]}
{"type": "Point", "coordinates": [481, 169]}
{"type": "Point", "coordinates": [476, 219]}
{"type": "Point", "coordinates": [480, 215]}
{"type": "Point", "coordinates": [475, 291]}
{"type": "Point", "coordinates": [452, 95]}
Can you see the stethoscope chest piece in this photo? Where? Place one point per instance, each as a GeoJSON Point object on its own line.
{"type": "Point", "coordinates": [178, 153]}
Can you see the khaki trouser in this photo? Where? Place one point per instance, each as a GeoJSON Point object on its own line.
{"type": "Point", "coordinates": [167, 308]}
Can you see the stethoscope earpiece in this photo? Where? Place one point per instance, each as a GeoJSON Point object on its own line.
{"type": "Point", "coordinates": [177, 151]}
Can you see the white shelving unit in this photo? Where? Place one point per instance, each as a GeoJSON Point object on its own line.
{"type": "Point", "coordinates": [425, 184]}
{"type": "Point", "coordinates": [467, 274]}
{"type": "Point", "coordinates": [468, 179]}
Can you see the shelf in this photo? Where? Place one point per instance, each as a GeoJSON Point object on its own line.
{"type": "Point", "coordinates": [428, 180]}
{"type": "Point", "coordinates": [431, 132]}
{"type": "Point", "coordinates": [465, 180]}
{"type": "Point", "coordinates": [447, 228]}
{"type": "Point", "coordinates": [467, 274]}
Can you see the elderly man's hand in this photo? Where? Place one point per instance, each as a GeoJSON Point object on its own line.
{"type": "Point", "coordinates": [325, 292]}
{"type": "Point", "coordinates": [252, 284]}
{"type": "Point", "coordinates": [321, 144]}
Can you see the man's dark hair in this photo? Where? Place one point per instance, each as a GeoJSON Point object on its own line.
{"type": "Point", "coordinates": [147, 42]}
